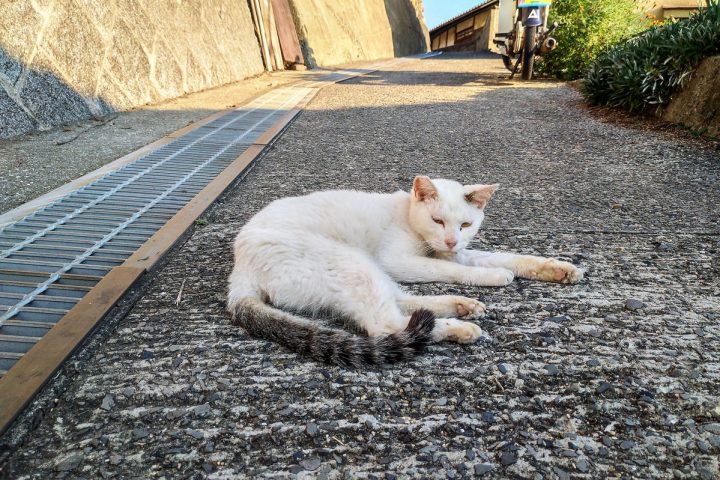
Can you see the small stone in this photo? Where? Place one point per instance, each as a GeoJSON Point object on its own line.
{"type": "Point", "coordinates": [508, 458]}
{"type": "Point", "coordinates": [442, 401]}
{"type": "Point", "coordinates": [128, 391]}
{"type": "Point", "coordinates": [483, 468]}
{"type": "Point", "coordinates": [562, 474]}
{"type": "Point", "coordinates": [713, 428]}
{"type": "Point", "coordinates": [176, 362]}
{"type": "Point", "coordinates": [603, 452]}
{"type": "Point", "coordinates": [627, 444]}
{"type": "Point", "coordinates": [108, 402]}
{"type": "Point", "coordinates": [370, 421]}
{"type": "Point", "coordinates": [147, 354]}
{"type": "Point", "coordinates": [202, 410]}
{"type": "Point", "coordinates": [195, 433]}
{"type": "Point", "coordinates": [208, 468]}
{"type": "Point", "coordinates": [603, 387]}
{"type": "Point", "coordinates": [311, 464]}
{"type": "Point", "coordinates": [69, 462]}
{"type": "Point", "coordinates": [470, 454]}
{"type": "Point", "coordinates": [140, 433]}
{"type": "Point", "coordinates": [115, 459]}
{"type": "Point", "coordinates": [488, 417]}
{"type": "Point", "coordinates": [552, 369]}
{"type": "Point", "coordinates": [558, 319]}
{"type": "Point", "coordinates": [582, 465]}
{"type": "Point", "coordinates": [634, 304]}
{"type": "Point", "coordinates": [569, 453]}
{"type": "Point", "coordinates": [593, 362]}
{"type": "Point", "coordinates": [311, 429]}
{"type": "Point", "coordinates": [503, 368]}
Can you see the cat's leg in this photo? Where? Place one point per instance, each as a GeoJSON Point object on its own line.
{"type": "Point", "coordinates": [414, 268]}
{"type": "Point", "coordinates": [443, 305]}
{"type": "Point", "coordinates": [524, 266]}
{"type": "Point", "coordinates": [455, 330]}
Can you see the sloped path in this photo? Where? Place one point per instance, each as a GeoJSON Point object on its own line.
{"type": "Point", "coordinates": [578, 381]}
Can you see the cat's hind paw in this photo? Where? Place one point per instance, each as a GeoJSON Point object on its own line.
{"type": "Point", "coordinates": [558, 271]}
{"type": "Point", "coordinates": [469, 308]}
{"type": "Point", "coordinates": [456, 330]}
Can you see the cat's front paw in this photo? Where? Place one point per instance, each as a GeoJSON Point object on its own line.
{"type": "Point", "coordinates": [469, 308]}
{"type": "Point", "coordinates": [557, 271]}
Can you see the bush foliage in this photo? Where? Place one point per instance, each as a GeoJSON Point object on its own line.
{"type": "Point", "coordinates": [643, 71]}
{"type": "Point", "coordinates": [587, 28]}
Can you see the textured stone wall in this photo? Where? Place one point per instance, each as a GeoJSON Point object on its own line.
{"type": "Point", "coordinates": [697, 105]}
{"type": "Point", "coordinates": [61, 60]}
{"type": "Point", "coordinates": [352, 30]}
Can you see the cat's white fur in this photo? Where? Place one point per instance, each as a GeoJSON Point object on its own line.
{"type": "Point", "coordinates": [345, 251]}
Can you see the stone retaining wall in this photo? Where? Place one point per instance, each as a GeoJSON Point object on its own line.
{"type": "Point", "coordinates": [697, 106]}
{"type": "Point", "coordinates": [353, 30]}
{"type": "Point", "coordinates": [61, 60]}
{"type": "Point", "coordinates": [65, 60]}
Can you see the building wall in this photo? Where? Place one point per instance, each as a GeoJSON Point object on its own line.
{"type": "Point", "coordinates": [352, 30]}
{"type": "Point", "coordinates": [62, 60]}
{"type": "Point", "coordinates": [474, 33]}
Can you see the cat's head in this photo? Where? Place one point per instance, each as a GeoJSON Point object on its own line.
{"type": "Point", "coordinates": [446, 214]}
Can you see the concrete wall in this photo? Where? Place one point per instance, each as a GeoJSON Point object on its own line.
{"type": "Point", "coordinates": [353, 30]}
{"type": "Point", "coordinates": [61, 60]}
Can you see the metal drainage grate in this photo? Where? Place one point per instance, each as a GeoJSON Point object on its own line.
{"type": "Point", "coordinates": [53, 257]}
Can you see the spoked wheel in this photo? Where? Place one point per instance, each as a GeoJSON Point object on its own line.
{"type": "Point", "coordinates": [528, 53]}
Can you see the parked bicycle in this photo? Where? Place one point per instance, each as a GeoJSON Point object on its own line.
{"type": "Point", "coordinates": [528, 37]}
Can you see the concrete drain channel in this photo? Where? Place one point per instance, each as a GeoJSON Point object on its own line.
{"type": "Point", "coordinates": [64, 266]}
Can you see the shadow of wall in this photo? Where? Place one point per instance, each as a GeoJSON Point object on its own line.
{"type": "Point", "coordinates": [62, 60]}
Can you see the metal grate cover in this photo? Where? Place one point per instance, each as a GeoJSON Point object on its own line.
{"type": "Point", "coordinates": [50, 259]}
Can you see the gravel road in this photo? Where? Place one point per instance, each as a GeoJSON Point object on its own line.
{"type": "Point", "coordinates": [617, 376]}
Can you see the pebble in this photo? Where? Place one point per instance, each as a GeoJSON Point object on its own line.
{"type": "Point", "coordinates": [483, 468]}
{"type": "Point", "coordinates": [552, 369]}
{"type": "Point", "coordinates": [140, 433]}
{"type": "Point", "coordinates": [627, 444]}
{"type": "Point", "coordinates": [503, 368]}
{"type": "Point", "coordinates": [311, 429]}
{"type": "Point", "coordinates": [108, 402]}
{"type": "Point", "coordinates": [442, 401]}
{"type": "Point", "coordinates": [634, 304]}
{"type": "Point", "coordinates": [508, 458]}
{"type": "Point", "coordinates": [128, 391]}
{"type": "Point", "coordinates": [593, 362]}
{"type": "Point", "coordinates": [603, 387]}
{"type": "Point", "coordinates": [488, 417]}
{"type": "Point", "coordinates": [713, 428]}
{"type": "Point", "coordinates": [195, 433]}
{"type": "Point", "coordinates": [470, 454]}
{"type": "Point", "coordinates": [311, 464]}
{"type": "Point", "coordinates": [69, 462]}
{"type": "Point", "coordinates": [582, 465]}
{"type": "Point", "coordinates": [562, 474]}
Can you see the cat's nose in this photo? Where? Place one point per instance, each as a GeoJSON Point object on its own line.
{"type": "Point", "coordinates": [450, 243]}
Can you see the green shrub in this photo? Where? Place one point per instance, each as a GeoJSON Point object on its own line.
{"type": "Point", "coordinates": [587, 28]}
{"type": "Point", "coordinates": [643, 72]}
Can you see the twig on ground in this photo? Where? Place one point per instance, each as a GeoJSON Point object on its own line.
{"type": "Point", "coordinates": [75, 137]}
{"type": "Point", "coordinates": [179, 297]}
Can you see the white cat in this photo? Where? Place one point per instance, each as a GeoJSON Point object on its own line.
{"type": "Point", "coordinates": [345, 250]}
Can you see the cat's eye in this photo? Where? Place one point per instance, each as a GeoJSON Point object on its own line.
{"type": "Point", "coordinates": [465, 225]}
{"type": "Point", "coordinates": [438, 221]}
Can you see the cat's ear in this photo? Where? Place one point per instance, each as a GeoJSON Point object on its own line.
{"type": "Point", "coordinates": [479, 195]}
{"type": "Point", "coordinates": [423, 188]}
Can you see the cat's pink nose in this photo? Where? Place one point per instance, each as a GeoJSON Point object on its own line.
{"type": "Point", "coordinates": [450, 243]}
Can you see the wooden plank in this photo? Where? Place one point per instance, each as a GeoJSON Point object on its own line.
{"type": "Point", "coordinates": [152, 250]}
{"type": "Point", "coordinates": [289, 42]}
{"type": "Point", "coordinates": [20, 384]}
